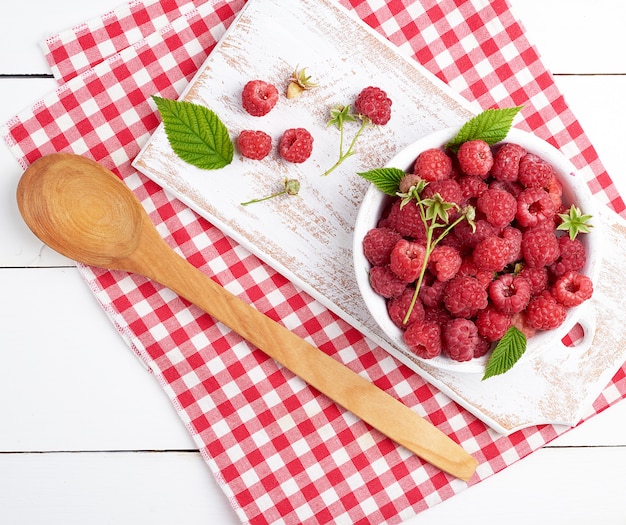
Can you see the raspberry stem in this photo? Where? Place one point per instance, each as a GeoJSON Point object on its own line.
{"type": "Point", "coordinates": [430, 210]}
{"type": "Point", "coordinates": [340, 115]}
{"type": "Point", "coordinates": [291, 187]}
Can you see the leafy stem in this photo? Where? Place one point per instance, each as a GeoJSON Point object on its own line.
{"type": "Point", "coordinates": [434, 215]}
{"type": "Point", "coordinates": [340, 115]}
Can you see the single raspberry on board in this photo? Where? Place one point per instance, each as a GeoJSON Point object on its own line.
{"type": "Point", "coordinates": [540, 247]}
{"type": "Point", "coordinates": [572, 289]}
{"type": "Point", "coordinates": [534, 206]}
{"type": "Point", "coordinates": [534, 172]}
{"type": "Point", "coordinates": [259, 97]}
{"type": "Point", "coordinates": [399, 306]}
{"type": "Point", "coordinates": [510, 293]}
{"type": "Point", "coordinates": [444, 262]}
{"type": "Point", "coordinates": [572, 257]}
{"type": "Point", "coordinates": [296, 145]}
{"type": "Point", "coordinates": [386, 283]}
{"type": "Point", "coordinates": [475, 158]}
{"type": "Point", "coordinates": [378, 243]}
{"type": "Point", "coordinates": [464, 296]}
{"type": "Point", "coordinates": [499, 207]}
{"type": "Point", "coordinates": [424, 339]}
{"type": "Point", "coordinates": [373, 103]}
{"type": "Point", "coordinates": [433, 164]}
{"type": "Point", "coordinates": [254, 145]}
{"type": "Point", "coordinates": [544, 312]}
{"type": "Point", "coordinates": [492, 323]}
{"type": "Point", "coordinates": [407, 259]}
{"type": "Point", "coordinates": [492, 253]}
{"type": "Point", "coordinates": [506, 162]}
{"type": "Point", "coordinates": [460, 339]}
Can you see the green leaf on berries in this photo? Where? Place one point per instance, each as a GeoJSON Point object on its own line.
{"type": "Point", "coordinates": [506, 353]}
{"type": "Point", "coordinates": [492, 125]}
{"type": "Point", "coordinates": [574, 222]}
{"type": "Point", "coordinates": [386, 180]}
{"type": "Point", "coordinates": [196, 134]}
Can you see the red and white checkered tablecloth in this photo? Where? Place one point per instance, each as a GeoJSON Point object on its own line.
{"type": "Point", "coordinates": [282, 452]}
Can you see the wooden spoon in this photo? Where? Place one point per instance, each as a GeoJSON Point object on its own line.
{"type": "Point", "coordinates": [86, 213]}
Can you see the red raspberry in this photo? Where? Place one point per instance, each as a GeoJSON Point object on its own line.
{"type": "Point", "coordinates": [482, 347]}
{"type": "Point", "coordinates": [254, 145]}
{"type": "Point", "coordinates": [534, 205]}
{"type": "Point", "coordinates": [572, 289]}
{"type": "Point", "coordinates": [437, 315]}
{"type": "Point", "coordinates": [449, 190]}
{"type": "Point", "coordinates": [424, 339]}
{"type": "Point", "coordinates": [296, 145]}
{"type": "Point", "coordinates": [492, 253]}
{"type": "Point", "coordinates": [259, 97]}
{"type": "Point", "coordinates": [464, 296]}
{"type": "Point", "coordinates": [538, 278]}
{"type": "Point", "coordinates": [468, 267]}
{"type": "Point", "coordinates": [444, 262]}
{"type": "Point", "coordinates": [534, 172]}
{"type": "Point", "coordinates": [545, 313]}
{"type": "Point", "coordinates": [540, 247]}
{"type": "Point", "coordinates": [475, 158]}
{"type": "Point", "coordinates": [407, 221]}
{"type": "Point", "coordinates": [510, 293]}
{"type": "Point", "coordinates": [470, 237]}
{"type": "Point", "coordinates": [506, 162]}
{"type": "Point", "coordinates": [432, 295]}
{"type": "Point", "coordinates": [460, 339]}
{"type": "Point", "coordinates": [373, 103]}
{"type": "Point", "coordinates": [433, 164]}
{"type": "Point", "coordinates": [407, 259]}
{"type": "Point", "coordinates": [399, 306]}
{"type": "Point", "coordinates": [492, 324]}
{"type": "Point", "coordinates": [378, 243]}
{"type": "Point", "coordinates": [386, 283]}
{"type": "Point", "coordinates": [520, 322]}
{"type": "Point", "coordinates": [472, 186]}
{"type": "Point", "coordinates": [572, 256]}
{"type": "Point", "coordinates": [514, 188]}
{"type": "Point", "coordinates": [555, 190]}
{"type": "Point", "coordinates": [499, 207]}
{"type": "Point", "coordinates": [514, 237]}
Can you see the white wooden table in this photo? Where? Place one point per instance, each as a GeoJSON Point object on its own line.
{"type": "Point", "coordinates": [88, 437]}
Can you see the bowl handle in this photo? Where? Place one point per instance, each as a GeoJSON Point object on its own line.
{"type": "Point", "coordinates": [587, 321]}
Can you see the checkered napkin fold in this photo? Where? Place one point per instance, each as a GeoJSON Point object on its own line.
{"type": "Point", "coordinates": [282, 452]}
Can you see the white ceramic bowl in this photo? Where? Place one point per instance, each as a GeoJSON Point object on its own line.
{"type": "Point", "coordinates": [575, 190]}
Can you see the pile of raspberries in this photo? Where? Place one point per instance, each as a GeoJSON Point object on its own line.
{"type": "Point", "coordinates": [514, 269]}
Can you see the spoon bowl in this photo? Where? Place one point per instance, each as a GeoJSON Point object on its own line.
{"type": "Point", "coordinates": [85, 212]}
{"type": "Point", "coordinates": [80, 209]}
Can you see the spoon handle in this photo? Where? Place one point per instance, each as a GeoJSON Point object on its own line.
{"type": "Point", "coordinates": [156, 260]}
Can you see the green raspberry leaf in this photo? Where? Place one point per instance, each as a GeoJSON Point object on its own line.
{"type": "Point", "coordinates": [492, 125]}
{"type": "Point", "coordinates": [386, 180]}
{"type": "Point", "coordinates": [196, 134]}
{"type": "Point", "coordinates": [506, 353]}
